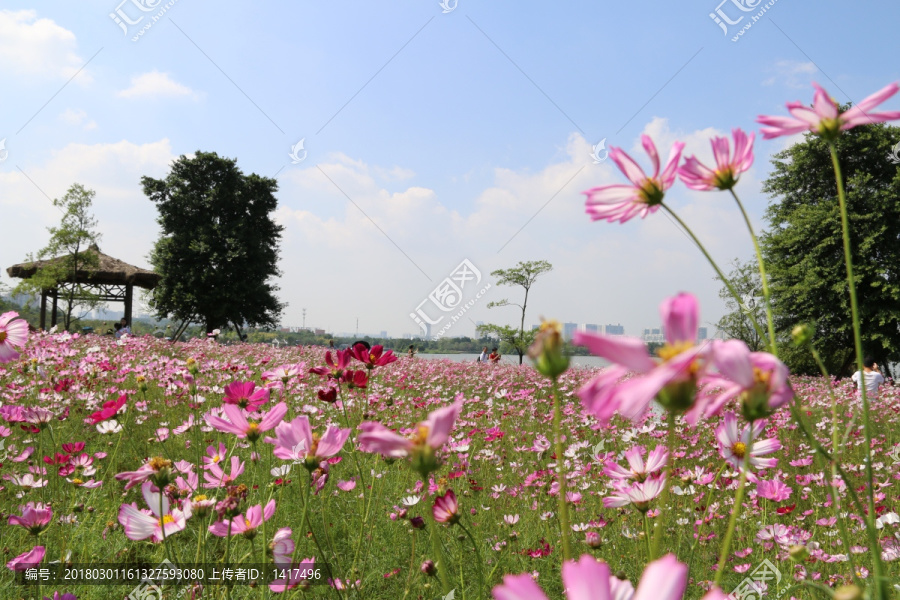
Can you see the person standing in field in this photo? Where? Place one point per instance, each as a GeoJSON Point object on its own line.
{"type": "Point", "coordinates": [870, 376]}
{"type": "Point", "coordinates": [494, 356]}
{"type": "Point", "coordinates": [484, 355]}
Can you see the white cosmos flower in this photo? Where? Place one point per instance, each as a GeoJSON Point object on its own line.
{"type": "Point", "coordinates": [111, 426]}
{"type": "Point", "coordinates": [410, 501]}
{"type": "Point", "coordinates": [280, 471]}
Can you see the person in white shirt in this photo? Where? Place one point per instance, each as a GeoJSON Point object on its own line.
{"type": "Point", "coordinates": [872, 377]}
{"type": "Point", "coordinates": [484, 355]}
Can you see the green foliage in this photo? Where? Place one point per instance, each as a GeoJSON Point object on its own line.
{"type": "Point", "coordinates": [804, 252]}
{"type": "Point", "coordinates": [218, 247]}
{"type": "Point", "coordinates": [738, 322]}
{"type": "Point", "coordinates": [70, 244]}
{"type": "Point", "coordinates": [523, 275]}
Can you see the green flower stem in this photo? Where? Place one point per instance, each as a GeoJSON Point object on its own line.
{"type": "Point", "coordinates": [561, 474]}
{"type": "Point", "coordinates": [647, 537]}
{"type": "Point", "coordinates": [773, 347]}
{"type": "Point", "coordinates": [438, 554]}
{"type": "Point", "coordinates": [735, 512]}
{"type": "Point", "coordinates": [479, 562]}
{"type": "Point", "coordinates": [715, 267]}
{"type": "Point", "coordinates": [227, 549]}
{"type": "Point", "coordinates": [664, 496]}
{"type": "Point", "coordinates": [703, 521]}
{"type": "Point", "coordinates": [880, 592]}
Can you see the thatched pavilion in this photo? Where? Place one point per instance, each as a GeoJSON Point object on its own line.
{"type": "Point", "coordinates": [112, 281]}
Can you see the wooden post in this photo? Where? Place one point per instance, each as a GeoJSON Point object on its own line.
{"type": "Point", "coordinates": [43, 309]}
{"type": "Point", "coordinates": [55, 294]}
{"type": "Point", "coordinates": [129, 294]}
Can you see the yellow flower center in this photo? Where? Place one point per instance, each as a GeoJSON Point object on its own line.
{"type": "Point", "coordinates": [247, 523]}
{"type": "Point", "coordinates": [739, 449]}
{"type": "Point", "coordinates": [216, 459]}
{"type": "Point", "coordinates": [166, 520]}
{"type": "Point", "coordinates": [200, 498]}
{"type": "Point", "coordinates": [760, 376]}
{"type": "Point", "coordinates": [651, 193]}
{"type": "Point", "coordinates": [253, 428]}
{"type": "Point", "coordinates": [724, 179]}
{"type": "Point", "coordinates": [420, 436]}
{"type": "Point", "coordinates": [3, 336]}
{"type": "Point", "coordinates": [669, 351]}
{"type": "Point", "coordinates": [158, 463]}
{"type": "Point", "coordinates": [77, 482]}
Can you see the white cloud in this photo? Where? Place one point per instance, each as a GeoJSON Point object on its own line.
{"type": "Point", "coordinates": [792, 73]}
{"type": "Point", "coordinates": [38, 47]}
{"type": "Point", "coordinates": [77, 117]}
{"type": "Point", "coordinates": [155, 84]}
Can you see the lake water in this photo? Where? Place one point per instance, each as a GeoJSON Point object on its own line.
{"type": "Point", "coordinates": [576, 361]}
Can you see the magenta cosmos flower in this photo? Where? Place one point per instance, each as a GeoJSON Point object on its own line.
{"type": "Point", "coordinates": [672, 378]}
{"type": "Point", "coordinates": [824, 117]}
{"type": "Point", "coordinates": [446, 508]}
{"type": "Point", "coordinates": [334, 368]}
{"type": "Point", "coordinates": [245, 525]}
{"type": "Point", "coordinates": [733, 444]}
{"type": "Point", "coordinates": [638, 494]}
{"type": "Point", "coordinates": [588, 579]}
{"type": "Point", "coordinates": [296, 441]}
{"type": "Point", "coordinates": [35, 517]}
{"type": "Point", "coordinates": [376, 357]}
{"type": "Point", "coordinates": [430, 435]}
{"type": "Point", "coordinates": [698, 176]}
{"type": "Point", "coordinates": [27, 560]}
{"type": "Point", "coordinates": [140, 524]}
{"type": "Point", "coordinates": [758, 380]}
{"type": "Point", "coordinates": [621, 202]}
{"type": "Point", "coordinates": [242, 394]}
{"type": "Point", "coordinates": [13, 334]}
{"type": "Point", "coordinates": [235, 422]}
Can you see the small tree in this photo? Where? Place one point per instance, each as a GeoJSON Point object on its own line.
{"type": "Point", "coordinates": [73, 260]}
{"type": "Point", "coordinates": [524, 275]}
{"type": "Point", "coordinates": [218, 248]}
{"type": "Point", "coordinates": [738, 323]}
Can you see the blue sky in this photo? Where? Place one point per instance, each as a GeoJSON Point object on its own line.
{"type": "Point", "coordinates": [449, 131]}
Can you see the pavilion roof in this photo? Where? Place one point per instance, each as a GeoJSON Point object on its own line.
{"type": "Point", "coordinates": [110, 271]}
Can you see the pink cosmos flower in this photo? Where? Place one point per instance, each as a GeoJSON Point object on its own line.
{"type": "Point", "coordinates": [733, 443]}
{"type": "Point", "coordinates": [673, 381]}
{"type": "Point", "coordinates": [697, 176]}
{"type": "Point", "coordinates": [430, 435]}
{"type": "Point", "coordinates": [27, 560]}
{"type": "Point", "coordinates": [109, 410]}
{"type": "Point", "coordinates": [215, 476]}
{"type": "Point", "coordinates": [622, 202]}
{"type": "Point", "coordinates": [282, 547]}
{"type": "Point", "coordinates": [757, 379]}
{"type": "Point", "coordinates": [241, 394]}
{"type": "Point", "coordinates": [35, 517]}
{"type": "Point", "coordinates": [13, 334]}
{"type": "Point", "coordinates": [639, 470]}
{"type": "Point", "coordinates": [283, 374]}
{"type": "Point", "coordinates": [294, 574]}
{"type": "Point", "coordinates": [140, 524]}
{"type": "Point", "coordinates": [244, 525]}
{"type": "Point", "coordinates": [296, 441]}
{"type": "Point", "coordinates": [235, 422]}
{"type": "Point", "coordinates": [824, 117]}
{"type": "Point", "coordinates": [214, 455]}
{"type": "Point", "coordinates": [157, 469]}
{"type": "Point", "coordinates": [446, 508]}
{"type": "Point", "coordinates": [639, 494]}
{"type": "Point", "coordinates": [773, 490]}
{"type": "Point", "coordinates": [347, 486]}
{"type": "Point", "coordinates": [588, 579]}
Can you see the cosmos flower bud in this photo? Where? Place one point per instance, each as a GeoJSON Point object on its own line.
{"type": "Point", "coordinates": [417, 523]}
{"type": "Point", "coordinates": [429, 568]}
{"type": "Point", "coordinates": [592, 539]}
{"type": "Point", "coordinates": [802, 334]}
{"type": "Point", "coordinates": [547, 351]}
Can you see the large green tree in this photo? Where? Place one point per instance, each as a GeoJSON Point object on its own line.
{"type": "Point", "coordinates": [67, 260]}
{"type": "Point", "coordinates": [218, 248]}
{"type": "Point", "coordinates": [745, 320]}
{"type": "Point", "coordinates": [804, 252]}
{"type": "Point", "coordinates": [522, 275]}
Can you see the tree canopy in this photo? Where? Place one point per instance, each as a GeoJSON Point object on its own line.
{"type": "Point", "coordinates": [803, 245]}
{"type": "Point", "coordinates": [218, 248]}
{"type": "Point", "coordinates": [523, 275]}
{"type": "Point", "coordinates": [69, 244]}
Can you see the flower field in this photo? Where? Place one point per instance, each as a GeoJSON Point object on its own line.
{"type": "Point", "coordinates": [279, 458]}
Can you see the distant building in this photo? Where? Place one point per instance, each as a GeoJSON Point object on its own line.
{"type": "Point", "coordinates": [569, 330]}
{"type": "Point", "coordinates": [320, 332]}
{"type": "Point", "coordinates": [614, 329]}
{"type": "Point", "coordinates": [591, 327]}
{"type": "Point", "coordinates": [384, 335]}
{"type": "Point", "coordinates": [653, 336]}
{"type": "Point", "coordinates": [702, 333]}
